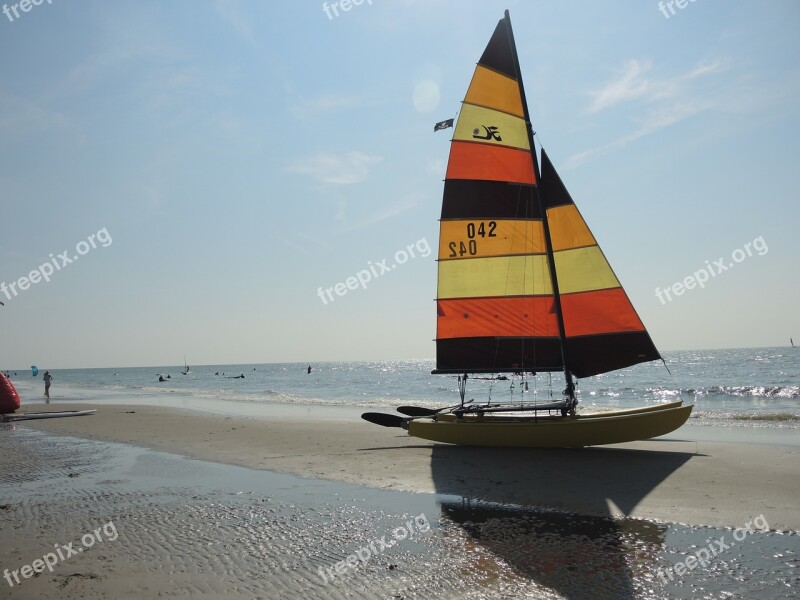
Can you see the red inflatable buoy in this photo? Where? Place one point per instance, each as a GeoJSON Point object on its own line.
{"type": "Point", "coordinates": [9, 398]}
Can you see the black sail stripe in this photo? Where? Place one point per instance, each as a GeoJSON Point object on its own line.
{"type": "Point", "coordinates": [554, 192]}
{"type": "Point", "coordinates": [594, 354]}
{"type": "Point", "coordinates": [478, 199]}
{"type": "Point", "coordinates": [498, 354]}
{"type": "Point", "coordinates": [498, 54]}
{"type": "Point", "coordinates": [590, 355]}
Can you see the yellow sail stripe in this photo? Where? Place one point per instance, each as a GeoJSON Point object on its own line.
{"type": "Point", "coordinates": [494, 90]}
{"type": "Point", "coordinates": [478, 238]}
{"type": "Point", "coordinates": [478, 124]}
{"type": "Point", "coordinates": [579, 270]}
{"type": "Point", "coordinates": [567, 228]}
{"type": "Point", "coordinates": [583, 270]}
{"type": "Point", "coordinates": [499, 276]}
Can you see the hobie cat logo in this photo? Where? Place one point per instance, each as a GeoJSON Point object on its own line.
{"type": "Point", "coordinates": [491, 133]}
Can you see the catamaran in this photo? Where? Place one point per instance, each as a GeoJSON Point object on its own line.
{"type": "Point", "coordinates": [523, 286]}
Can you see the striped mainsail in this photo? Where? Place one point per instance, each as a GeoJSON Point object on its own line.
{"type": "Point", "coordinates": [504, 225]}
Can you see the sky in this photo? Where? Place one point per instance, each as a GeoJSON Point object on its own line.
{"type": "Point", "coordinates": [213, 164]}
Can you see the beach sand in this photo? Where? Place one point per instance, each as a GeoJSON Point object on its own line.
{"type": "Point", "coordinates": [675, 480]}
{"type": "Point", "coordinates": [269, 507]}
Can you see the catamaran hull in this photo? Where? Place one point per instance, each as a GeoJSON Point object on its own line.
{"type": "Point", "coordinates": [564, 432]}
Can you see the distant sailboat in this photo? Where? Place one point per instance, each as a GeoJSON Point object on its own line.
{"type": "Point", "coordinates": [186, 370]}
{"type": "Point", "coordinates": [523, 284]}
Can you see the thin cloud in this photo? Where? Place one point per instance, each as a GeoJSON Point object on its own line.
{"type": "Point", "coordinates": [703, 69]}
{"type": "Point", "coordinates": [436, 166]}
{"type": "Point", "coordinates": [234, 14]}
{"type": "Point", "coordinates": [313, 240]}
{"type": "Point", "coordinates": [387, 212]}
{"type": "Point", "coordinates": [633, 83]}
{"type": "Point", "coordinates": [663, 102]}
{"type": "Point", "coordinates": [291, 244]}
{"type": "Point", "coordinates": [655, 121]}
{"type": "Point", "coordinates": [629, 85]}
{"type": "Point", "coordinates": [351, 167]}
{"type": "Point", "coordinates": [152, 198]}
{"type": "Point", "coordinates": [23, 116]}
{"type": "Point", "coordinates": [323, 104]}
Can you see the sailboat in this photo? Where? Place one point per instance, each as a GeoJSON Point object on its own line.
{"type": "Point", "coordinates": [186, 370]}
{"type": "Point", "coordinates": [523, 287]}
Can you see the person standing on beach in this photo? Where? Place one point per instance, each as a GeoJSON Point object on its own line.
{"type": "Point", "coordinates": [47, 380]}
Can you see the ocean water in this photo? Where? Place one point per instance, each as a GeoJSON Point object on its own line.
{"type": "Point", "coordinates": [754, 387]}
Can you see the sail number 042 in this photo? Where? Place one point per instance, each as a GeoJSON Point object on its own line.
{"type": "Point", "coordinates": [471, 246]}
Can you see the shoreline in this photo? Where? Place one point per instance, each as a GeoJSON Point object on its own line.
{"type": "Point", "coordinates": [678, 479]}
{"type": "Point", "coordinates": [780, 425]}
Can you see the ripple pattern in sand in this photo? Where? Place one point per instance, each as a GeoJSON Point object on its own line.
{"type": "Point", "coordinates": [194, 529]}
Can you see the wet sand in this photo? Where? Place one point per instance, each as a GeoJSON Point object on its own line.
{"type": "Point", "coordinates": [284, 513]}
{"type": "Point", "coordinates": [171, 527]}
{"type": "Point", "coordinates": [673, 480]}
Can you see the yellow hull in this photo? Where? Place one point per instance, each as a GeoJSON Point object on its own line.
{"type": "Point", "coordinates": [552, 432]}
{"type": "Point", "coordinates": [616, 413]}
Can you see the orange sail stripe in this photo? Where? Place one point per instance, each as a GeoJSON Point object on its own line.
{"type": "Point", "coordinates": [493, 317]}
{"type": "Point", "coordinates": [494, 90]}
{"type": "Point", "coordinates": [494, 163]}
{"type": "Point", "coordinates": [604, 311]}
{"type": "Point", "coordinates": [567, 228]}
{"type": "Point", "coordinates": [475, 238]}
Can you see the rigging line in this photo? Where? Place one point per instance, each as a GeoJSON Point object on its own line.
{"type": "Point", "coordinates": [533, 295]}
{"type": "Point", "coordinates": [666, 367]}
{"type": "Point", "coordinates": [508, 272]}
{"type": "Point", "coordinates": [524, 281]}
{"type": "Point", "coordinates": [538, 137]}
{"type": "Point", "coordinates": [671, 376]}
{"type": "Point", "coordinates": [524, 277]}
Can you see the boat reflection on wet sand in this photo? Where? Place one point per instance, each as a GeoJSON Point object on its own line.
{"type": "Point", "coordinates": [547, 514]}
{"type": "Point", "coordinates": [578, 556]}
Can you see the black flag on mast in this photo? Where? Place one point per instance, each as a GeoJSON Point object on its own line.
{"type": "Point", "coordinates": [443, 125]}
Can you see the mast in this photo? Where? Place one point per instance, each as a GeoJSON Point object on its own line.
{"type": "Point", "coordinates": [570, 390]}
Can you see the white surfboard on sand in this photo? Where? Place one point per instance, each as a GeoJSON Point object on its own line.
{"type": "Point", "coordinates": [46, 415]}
